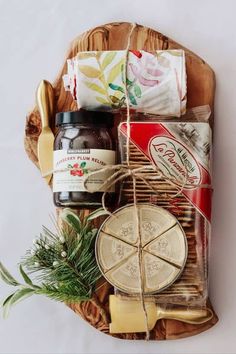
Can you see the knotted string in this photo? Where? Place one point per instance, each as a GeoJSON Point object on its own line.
{"type": "Point", "coordinates": [133, 176]}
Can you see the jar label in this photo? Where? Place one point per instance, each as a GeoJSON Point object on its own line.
{"type": "Point", "coordinates": [72, 167]}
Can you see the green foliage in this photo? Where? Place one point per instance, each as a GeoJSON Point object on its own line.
{"type": "Point", "coordinates": [6, 276]}
{"type": "Point", "coordinates": [133, 90]}
{"type": "Point", "coordinates": [132, 98]}
{"type": "Point", "coordinates": [116, 87]}
{"type": "Point", "coordinates": [137, 91]}
{"type": "Point", "coordinates": [63, 263]}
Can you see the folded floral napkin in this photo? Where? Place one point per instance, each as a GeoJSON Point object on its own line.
{"type": "Point", "coordinates": [156, 82]}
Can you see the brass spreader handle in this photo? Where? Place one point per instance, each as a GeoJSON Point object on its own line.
{"type": "Point", "coordinates": [190, 315]}
{"type": "Point", "coordinates": [127, 316]}
{"type": "Point", "coordinates": [45, 102]}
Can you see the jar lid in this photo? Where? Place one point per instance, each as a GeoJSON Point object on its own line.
{"type": "Point", "coordinates": [83, 116]}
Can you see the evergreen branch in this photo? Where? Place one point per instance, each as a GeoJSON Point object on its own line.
{"type": "Point", "coordinates": [64, 265]}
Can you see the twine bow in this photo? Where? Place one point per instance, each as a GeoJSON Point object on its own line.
{"type": "Point", "coordinates": [120, 172]}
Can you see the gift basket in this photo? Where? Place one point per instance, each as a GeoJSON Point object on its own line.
{"type": "Point", "coordinates": [124, 139]}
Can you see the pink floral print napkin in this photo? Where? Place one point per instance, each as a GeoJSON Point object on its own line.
{"type": "Point", "coordinates": [156, 82]}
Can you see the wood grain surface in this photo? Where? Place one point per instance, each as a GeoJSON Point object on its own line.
{"type": "Point", "coordinates": [200, 88]}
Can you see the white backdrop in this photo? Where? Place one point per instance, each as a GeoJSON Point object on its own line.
{"type": "Point", "coordinates": [34, 37]}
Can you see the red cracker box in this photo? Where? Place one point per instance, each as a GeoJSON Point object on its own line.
{"type": "Point", "coordinates": [182, 153]}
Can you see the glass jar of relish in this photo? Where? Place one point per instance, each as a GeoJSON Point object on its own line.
{"type": "Point", "coordinates": [83, 144]}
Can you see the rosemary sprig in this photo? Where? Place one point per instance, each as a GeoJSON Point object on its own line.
{"type": "Point", "coordinates": [64, 263]}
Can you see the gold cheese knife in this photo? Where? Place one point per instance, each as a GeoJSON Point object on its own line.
{"type": "Point", "coordinates": [127, 316]}
{"type": "Point", "coordinates": [45, 99]}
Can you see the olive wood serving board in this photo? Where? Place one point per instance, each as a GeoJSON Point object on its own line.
{"type": "Point", "coordinates": [200, 91]}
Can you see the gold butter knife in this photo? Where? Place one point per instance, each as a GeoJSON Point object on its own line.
{"type": "Point", "coordinates": [127, 316]}
{"type": "Point", "coordinates": [45, 99]}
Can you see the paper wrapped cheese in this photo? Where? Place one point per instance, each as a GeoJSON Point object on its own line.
{"type": "Point", "coordinates": [155, 82]}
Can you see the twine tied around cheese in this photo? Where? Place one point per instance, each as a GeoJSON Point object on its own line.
{"type": "Point", "coordinates": [125, 170]}
{"type": "Point", "coordinates": [131, 173]}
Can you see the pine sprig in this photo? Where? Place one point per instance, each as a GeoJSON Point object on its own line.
{"type": "Point", "coordinates": [63, 263]}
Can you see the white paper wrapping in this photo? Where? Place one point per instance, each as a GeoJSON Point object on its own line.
{"type": "Point", "coordinates": [156, 82]}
